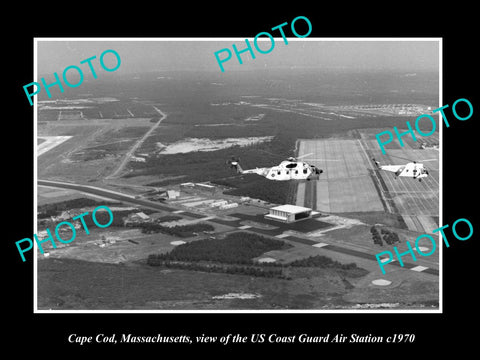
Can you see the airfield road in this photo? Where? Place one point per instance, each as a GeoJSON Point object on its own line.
{"type": "Point", "coordinates": [134, 148]}
{"type": "Point", "coordinates": [105, 193]}
{"type": "Point", "coordinates": [49, 143]}
{"type": "Point", "coordinates": [278, 230]}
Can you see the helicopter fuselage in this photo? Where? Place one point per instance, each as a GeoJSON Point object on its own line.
{"type": "Point", "coordinates": [288, 170]}
{"type": "Point", "coordinates": [412, 169]}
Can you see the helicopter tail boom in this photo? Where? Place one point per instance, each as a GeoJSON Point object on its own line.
{"type": "Point", "coordinates": [237, 167]}
{"type": "Point", "coordinates": [235, 164]}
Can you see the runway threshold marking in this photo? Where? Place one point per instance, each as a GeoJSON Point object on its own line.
{"type": "Point", "coordinates": [367, 256]}
{"type": "Point", "coordinates": [419, 268]}
{"type": "Point", "coordinates": [319, 245]}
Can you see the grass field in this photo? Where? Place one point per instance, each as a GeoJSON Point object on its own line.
{"type": "Point", "coordinates": [93, 285]}
{"type": "Point", "coordinates": [109, 286]}
{"type": "Point", "coordinates": [93, 149]}
{"type": "Point", "coordinates": [93, 108]}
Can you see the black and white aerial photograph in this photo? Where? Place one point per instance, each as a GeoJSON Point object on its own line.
{"type": "Point", "coordinates": [256, 186]}
{"type": "Point", "coordinates": [224, 180]}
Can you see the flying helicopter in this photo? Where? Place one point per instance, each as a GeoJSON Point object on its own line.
{"type": "Point", "coordinates": [412, 169]}
{"type": "Point", "coordinates": [289, 169]}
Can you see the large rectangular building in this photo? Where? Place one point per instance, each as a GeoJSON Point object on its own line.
{"type": "Point", "coordinates": [288, 213]}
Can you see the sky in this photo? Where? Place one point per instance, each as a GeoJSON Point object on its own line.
{"type": "Point", "coordinates": [147, 55]}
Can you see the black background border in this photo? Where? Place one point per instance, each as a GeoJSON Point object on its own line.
{"type": "Point", "coordinates": [49, 332]}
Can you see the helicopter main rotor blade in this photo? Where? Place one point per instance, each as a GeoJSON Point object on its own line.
{"type": "Point", "coordinates": [399, 157]}
{"type": "Point", "coordinates": [302, 156]}
{"type": "Point", "coordinates": [322, 159]}
{"type": "Point", "coordinates": [272, 154]}
{"type": "Point", "coordinates": [410, 160]}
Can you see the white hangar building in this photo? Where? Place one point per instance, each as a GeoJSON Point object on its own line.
{"type": "Point", "coordinates": [288, 213]}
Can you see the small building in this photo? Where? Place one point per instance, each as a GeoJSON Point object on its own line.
{"type": "Point", "coordinates": [136, 218]}
{"type": "Point", "coordinates": [65, 215]}
{"type": "Point", "coordinates": [229, 206]}
{"type": "Point", "coordinates": [288, 213]}
{"type": "Point", "coordinates": [212, 189]}
{"type": "Point", "coordinates": [142, 216]}
{"type": "Point", "coordinates": [200, 203]}
{"type": "Point", "coordinates": [137, 159]}
{"type": "Point", "coordinates": [172, 194]}
{"type": "Point", "coordinates": [158, 197]}
{"type": "Point", "coordinates": [219, 203]}
{"type": "Point", "coordinates": [206, 186]}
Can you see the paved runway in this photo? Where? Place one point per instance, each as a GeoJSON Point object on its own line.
{"type": "Point", "coordinates": [351, 183]}
{"type": "Point", "coordinates": [346, 184]}
{"type": "Point", "coordinates": [417, 202]}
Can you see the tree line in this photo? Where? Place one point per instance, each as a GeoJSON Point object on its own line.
{"type": "Point", "coordinates": [235, 254]}
{"type": "Point", "coordinates": [236, 248]}
{"type": "Point", "coordinates": [179, 230]}
{"type": "Point", "coordinates": [257, 271]}
{"type": "Point", "coordinates": [55, 209]}
{"type": "Point", "coordinates": [390, 237]}
{"type": "Point", "coordinates": [323, 262]}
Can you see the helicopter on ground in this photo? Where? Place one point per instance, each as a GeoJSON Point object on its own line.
{"type": "Point", "coordinates": [412, 169]}
{"type": "Point", "coordinates": [289, 169]}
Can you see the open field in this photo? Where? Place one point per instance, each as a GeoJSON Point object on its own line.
{"type": "Point", "coordinates": [110, 286]}
{"type": "Point", "coordinates": [93, 108]}
{"type": "Point", "coordinates": [112, 277]}
{"type": "Point", "coordinates": [92, 149]}
{"type": "Point", "coordinates": [205, 144]}
{"type": "Point", "coordinates": [134, 286]}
